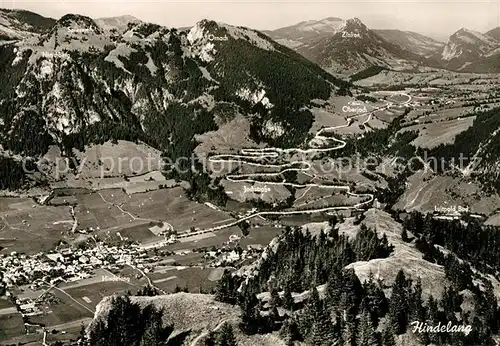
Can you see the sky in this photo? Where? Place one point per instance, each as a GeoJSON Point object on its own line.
{"type": "Point", "coordinates": [438, 19]}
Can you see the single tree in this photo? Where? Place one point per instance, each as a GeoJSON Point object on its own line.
{"type": "Point", "coordinates": [226, 336]}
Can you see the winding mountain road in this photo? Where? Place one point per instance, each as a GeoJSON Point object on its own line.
{"type": "Point", "coordinates": [249, 156]}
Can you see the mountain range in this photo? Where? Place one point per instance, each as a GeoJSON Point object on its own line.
{"type": "Point", "coordinates": [19, 24]}
{"type": "Point", "coordinates": [77, 80]}
{"type": "Point", "coordinates": [348, 46]}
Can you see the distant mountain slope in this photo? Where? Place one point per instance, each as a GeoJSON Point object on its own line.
{"type": "Point", "coordinates": [468, 43]}
{"type": "Point", "coordinates": [470, 51]}
{"type": "Point", "coordinates": [18, 24]}
{"type": "Point", "coordinates": [118, 23]}
{"type": "Point", "coordinates": [354, 48]}
{"type": "Point", "coordinates": [303, 33]}
{"type": "Point", "coordinates": [344, 46]}
{"type": "Point", "coordinates": [495, 33]}
{"type": "Point", "coordinates": [411, 41]}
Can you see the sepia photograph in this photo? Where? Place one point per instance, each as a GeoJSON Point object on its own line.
{"type": "Point", "coordinates": [249, 173]}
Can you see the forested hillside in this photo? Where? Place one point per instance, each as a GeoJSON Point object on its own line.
{"type": "Point", "coordinates": [79, 84]}
{"type": "Point", "coordinates": [478, 147]}
{"type": "Point", "coordinates": [346, 311]}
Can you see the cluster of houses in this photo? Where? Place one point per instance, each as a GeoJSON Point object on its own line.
{"type": "Point", "coordinates": [67, 264]}
{"type": "Point", "coordinates": [224, 257]}
{"type": "Point", "coordinates": [228, 255]}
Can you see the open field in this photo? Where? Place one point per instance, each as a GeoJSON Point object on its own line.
{"type": "Point", "coordinates": [94, 293]}
{"type": "Point", "coordinates": [261, 236]}
{"type": "Point", "coordinates": [25, 340]}
{"type": "Point", "coordinates": [137, 231]}
{"type": "Point", "coordinates": [425, 192]}
{"type": "Point", "coordinates": [431, 114]}
{"type": "Point", "coordinates": [195, 242]}
{"type": "Point", "coordinates": [436, 77]}
{"type": "Point", "coordinates": [446, 114]}
{"type": "Point", "coordinates": [260, 233]}
{"type": "Point", "coordinates": [110, 160]}
{"type": "Point", "coordinates": [301, 220]}
{"type": "Point", "coordinates": [436, 133]}
{"type": "Point", "coordinates": [71, 332]}
{"type": "Point", "coordinates": [192, 278]}
{"type": "Point", "coordinates": [229, 138]}
{"type": "Point", "coordinates": [386, 115]}
{"type": "Point", "coordinates": [5, 303]}
{"type": "Point", "coordinates": [170, 205]}
{"type": "Point", "coordinates": [324, 118]}
{"type": "Point", "coordinates": [184, 257]}
{"type": "Point", "coordinates": [395, 98]}
{"type": "Point", "coordinates": [66, 310]}
{"type": "Point", "coordinates": [307, 195]}
{"type": "Point", "coordinates": [135, 184]}
{"type": "Point", "coordinates": [11, 326]}
{"type": "Point", "coordinates": [376, 122]}
{"type": "Point", "coordinates": [30, 228]}
{"type": "Point", "coordinates": [334, 170]}
{"type": "Point", "coordinates": [494, 220]}
{"type": "Point", "coordinates": [331, 201]}
{"type": "Point", "coordinates": [110, 211]}
{"type": "Point", "coordinates": [93, 211]}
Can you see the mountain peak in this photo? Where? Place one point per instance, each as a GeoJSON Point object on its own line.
{"type": "Point", "coordinates": [472, 37]}
{"type": "Point", "coordinates": [210, 33]}
{"type": "Point", "coordinates": [355, 23]}
{"type": "Point", "coordinates": [467, 32]}
{"type": "Point", "coordinates": [355, 20]}
{"type": "Point", "coordinates": [200, 30]}
{"type": "Point", "coordinates": [329, 21]}
{"type": "Point", "coordinates": [123, 17]}
{"type": "Point", "coordinates": [78, 22]}
{"type": "Point", "coordinates": [119, 23]}
{"type": "Point", "coordinates": [467, 45]}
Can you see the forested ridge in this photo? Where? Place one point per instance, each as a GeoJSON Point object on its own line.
{"type": "Point", "coordinates": [127, 323]}
{"type": "Point", "coordinates": [367, 72]}
{"type": "Point", "coordinates": [470, 240]}
{"type": "Point", "coordinates": [349, 312]}
{"type": "Point", "coordinates": [480, 142]}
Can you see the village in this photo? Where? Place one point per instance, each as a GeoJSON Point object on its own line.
{"type": "Point", "coordinates": [27, 280]}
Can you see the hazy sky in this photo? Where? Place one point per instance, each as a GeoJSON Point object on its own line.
{"type": "Point", "coordinates": [438, 18]}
